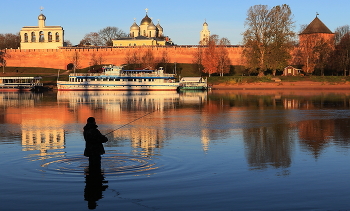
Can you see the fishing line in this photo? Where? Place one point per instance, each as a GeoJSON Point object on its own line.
{"type": "Point", "coordinates": [133, 121]}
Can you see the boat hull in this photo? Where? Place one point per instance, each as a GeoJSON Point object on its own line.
{"type": "Point", "coordinates": [64, 86]}
{"type": "Point", "coordinates": [192, 88]}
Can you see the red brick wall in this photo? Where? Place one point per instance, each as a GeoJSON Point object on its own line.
{"type": "Point", "coordinates": [60, 58]}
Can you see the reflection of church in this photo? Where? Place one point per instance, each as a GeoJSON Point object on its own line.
{"type": "Point", "coordinates": [144, 34]}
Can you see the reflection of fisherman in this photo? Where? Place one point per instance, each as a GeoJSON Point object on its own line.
{"type": "Point", "coordinates": [93, 143]}
{"type": "Point", "coordinates": [95, 185]}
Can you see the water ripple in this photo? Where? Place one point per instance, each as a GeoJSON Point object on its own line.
{"type": "Point", "coordinates": [111, 164]}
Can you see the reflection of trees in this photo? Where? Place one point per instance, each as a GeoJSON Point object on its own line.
{"type": "Point", "coordinates": [342, 132]}
{"type": "Point", "coordinates": [315, 134]}
{"type": "Point", "coordinates": [268, 146]}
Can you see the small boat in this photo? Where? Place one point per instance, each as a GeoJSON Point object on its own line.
{"type": "Point", "coordinates": [193, 83]}
{"type": "Point", "coordinates": [20, 83]}
{"type": "Point", "coordinates": [115, 78]}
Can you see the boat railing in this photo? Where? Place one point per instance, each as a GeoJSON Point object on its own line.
{"type": "Point", "coordinates": [37, 84]}
{"type": "Point", "coordinates": [124, 74]}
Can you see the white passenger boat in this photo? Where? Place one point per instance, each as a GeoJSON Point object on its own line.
{"type": "Point", "coordinates": [115, 78]}
{"type": "Point", "coordinates": [20, 83]}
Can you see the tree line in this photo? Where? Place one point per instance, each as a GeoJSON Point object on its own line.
{"type": "Point", "coordinates": [270, 45]}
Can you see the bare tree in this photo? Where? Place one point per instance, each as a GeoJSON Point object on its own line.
{"type": "Point", "coordinates": [93, 38]}
{"type": "Point", "coordinates": [9, 40]}
{"type": "Point", "coordinates": [132, 59]}
{"type": "Point", "coordinates": [198, 58]}
{"type": "Point", "coordinates": [223, 59]}
{"type": "Point", "coordinates": [322, 51]}
{"type": "Point", "coordinates": [141, 58]}
{"type": "Point", "coordinates": [148, 59]}
{"type": "Point", "coordinates": [3, 56]}
{"type": "Point", "coordinates": [164, 60]}
{"type": "Point", "coordinates": [340, 32]}
{"type": "Point", "coordinates": [302, 28]}
{"type": "Point", "coordinates": [75, 60]}
{"type": "Point", "coordinates": [67, 43]}
{"type": "Point", "coordinates": [340, 58]}
{"type": "Point", "coordinates": [268, 37]}
{"type": "Point", "coordinates": [110, 33]}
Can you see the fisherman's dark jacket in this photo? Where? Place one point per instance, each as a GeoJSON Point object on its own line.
{"type": "Point", "coordinates": [93, 140]}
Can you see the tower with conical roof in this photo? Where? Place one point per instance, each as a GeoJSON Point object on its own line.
{"type": "Point", "coordinates": [204, 34]}
{"type": "Point", "coordinates": [315, 34]}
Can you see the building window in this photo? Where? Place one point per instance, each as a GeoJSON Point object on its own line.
{"type": "Point", "coordinates": [41, 36]}
{"type": "Point", "coordinates": [25, 37]}
{"type": "Point", "coordinates": [57, 37]}
{"type": "Point", "coordinates": [49, 37]}
{"type": "Point", "coordinates": [33, 37]}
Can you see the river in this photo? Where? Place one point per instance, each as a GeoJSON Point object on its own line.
{"type": "Point", "coordinates": [215, 150]}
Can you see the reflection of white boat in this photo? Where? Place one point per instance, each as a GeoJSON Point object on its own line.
{"type": "Point", "coordinates": [193, 97]}
{"type": "Point", "coordinates": [115, 78]}
{"type": "Point", "coordinates": [121, 100]}
{"type": "Point", "coordinates": [193, 83]}
{"type": "Point", "coordinates": [19, 83]}
{"type": "Point", "coordinates": [19, 99]}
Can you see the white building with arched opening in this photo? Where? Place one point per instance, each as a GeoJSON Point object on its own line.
{"type": "Point", "coordinates": [41, 36]}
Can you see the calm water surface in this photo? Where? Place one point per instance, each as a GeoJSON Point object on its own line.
{"type": "Point", "coordinates": [222, 150]}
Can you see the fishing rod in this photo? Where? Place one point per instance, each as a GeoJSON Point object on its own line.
{"type": "Point", "coordinates": [133, 121]}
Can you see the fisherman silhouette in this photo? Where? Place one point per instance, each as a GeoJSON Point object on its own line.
{"type": "Point", "coordinates": [94, 178]}
{"type": "Point", "coordinates": [93, 143]}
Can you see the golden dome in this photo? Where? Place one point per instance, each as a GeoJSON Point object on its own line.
{"type": "Point", "coordinates": [146, 20]}
{"type": "Point", "coordinates": [151, 26]}
{"type": "Point", "coordinates": [160, 28]}
{"type": "Point", "coordinates": [134, 27]}
{"type": "Point", "coordinates": [41, 17]}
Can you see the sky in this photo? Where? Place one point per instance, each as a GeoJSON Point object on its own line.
{"type": "Point", "coordinates": [182, 20]}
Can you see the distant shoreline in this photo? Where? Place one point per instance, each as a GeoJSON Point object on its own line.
{"type": "Point", "coordinates": [295, 85]}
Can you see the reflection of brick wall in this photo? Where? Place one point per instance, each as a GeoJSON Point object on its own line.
{"type": "Point", "coordinates": [60, 58]}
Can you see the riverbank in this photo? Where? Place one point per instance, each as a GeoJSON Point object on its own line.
{"type": "Point", "coordinates": [295, 85]}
